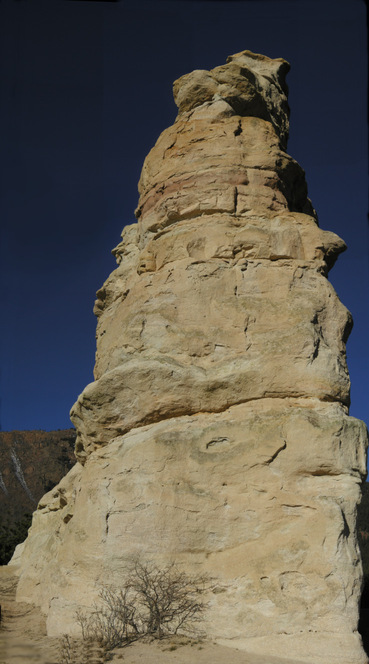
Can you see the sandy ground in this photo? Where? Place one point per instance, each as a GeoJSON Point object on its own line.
{"type": "Point", "coordinates": [175, 652]}
{"type": "Point", "coordinates": [22, 628]}
{"type": "Point", "coordinates": [23, 639]}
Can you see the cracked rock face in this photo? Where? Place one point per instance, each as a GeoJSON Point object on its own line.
{"type": "Point", "coordinates": [216, 432]}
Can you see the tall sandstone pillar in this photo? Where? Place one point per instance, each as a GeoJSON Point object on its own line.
{"type": "Point", "coordinates": [216, 432]}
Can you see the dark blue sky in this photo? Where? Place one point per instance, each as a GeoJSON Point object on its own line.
{"type": "Point", "coordinates": [85, 92]}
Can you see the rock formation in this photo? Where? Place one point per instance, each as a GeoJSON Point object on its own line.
{"type": "Point", "coordinates": [216, 432]}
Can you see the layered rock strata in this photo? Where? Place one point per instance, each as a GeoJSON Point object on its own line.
{"type": "Point", "coordinates": [216, 432]}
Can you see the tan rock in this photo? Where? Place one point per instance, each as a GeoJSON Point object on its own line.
{"type": "Point", "coordinates": [199, 168]}
{"type": "Point", "coordinates": [252, 495]}
{"type": "Point", "coordinates": [216, 432]}
{"type": "Point", "coordinates": [250, 85]}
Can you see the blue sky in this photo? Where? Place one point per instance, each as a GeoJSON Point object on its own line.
{"type": "Point", "coordinates": [86, 90]}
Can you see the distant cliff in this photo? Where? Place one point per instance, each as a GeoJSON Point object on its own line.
{"type": "Point", "coordinates": [31, 463]}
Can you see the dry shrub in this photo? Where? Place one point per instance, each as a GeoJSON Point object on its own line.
{"type": "Point", "coordinates": [152, 601]}
{"type": "Point", "coordinates": [75, 651]}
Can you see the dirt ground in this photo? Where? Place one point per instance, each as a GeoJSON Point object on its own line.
{"type": "Point", "coordinates": [23, 640]}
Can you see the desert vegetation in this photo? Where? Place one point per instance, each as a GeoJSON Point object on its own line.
{"type": "Point", "coordinates": [152, 602]}
{"type": "Point", "coordinates": [155, 601]}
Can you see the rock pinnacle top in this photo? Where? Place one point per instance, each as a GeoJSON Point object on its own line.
{"type": "Point", "coordinates": [248, 85]}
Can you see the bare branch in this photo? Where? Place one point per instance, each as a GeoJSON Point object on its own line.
{"type": "Point", "coordinates": [152, 601]}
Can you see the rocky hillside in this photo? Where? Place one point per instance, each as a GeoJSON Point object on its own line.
{"type": "Point", "coordinates": [31, 463]}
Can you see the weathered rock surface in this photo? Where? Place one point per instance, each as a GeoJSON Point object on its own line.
{"type": "Point", "coordinates": [216, 432]}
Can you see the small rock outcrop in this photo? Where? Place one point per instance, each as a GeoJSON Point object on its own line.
{"type": "Point", "coordinates": [216, 432]}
